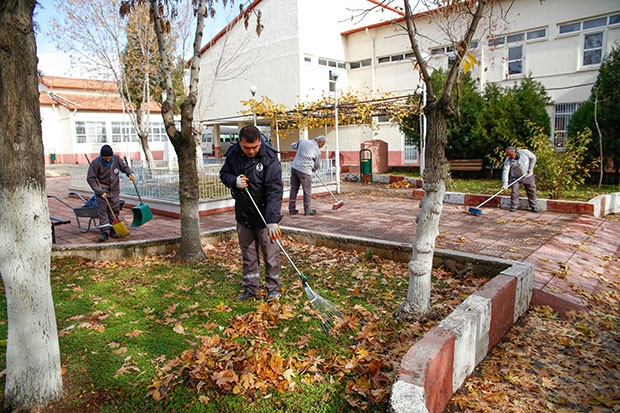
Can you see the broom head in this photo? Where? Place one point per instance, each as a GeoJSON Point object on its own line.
{"type": "Point", "coordinates": [474, 211]}
{"type": "Point", "coordinates": [120, 228]}
{"type": "Point", "coordinates": [337, 205]}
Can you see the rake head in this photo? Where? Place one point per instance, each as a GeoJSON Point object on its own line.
{"type": "Point", "coordinates": [328, 312]}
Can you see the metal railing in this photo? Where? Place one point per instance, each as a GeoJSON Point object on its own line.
{"type": "Point", "coordinates": [162, 182]}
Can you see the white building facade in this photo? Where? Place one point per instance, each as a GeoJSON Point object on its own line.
{"type": "Point", "coordinates": [560, 43]}
{"type": "Point", "coordinates": [78, 116]}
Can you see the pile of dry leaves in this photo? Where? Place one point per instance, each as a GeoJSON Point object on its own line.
{"type": "Point", "coordinates": [256, 354]}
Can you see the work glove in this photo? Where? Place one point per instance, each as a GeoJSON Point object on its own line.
{"type": "Point", "coordinates": [529, 173]}
{"type": "Point", "coordinates": [132, 178]}
{"type": "Point", "coordinates": [274, 231]}
{"type": "Point", "coordinates": [504, 187]}
{"type": "Point", "coordinates": [104, 196]}
{"type": "Point", "coordinates": [242, 182]}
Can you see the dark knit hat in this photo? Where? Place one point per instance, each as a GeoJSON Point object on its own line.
{"type": "Point", "coordinates": [106, 150]}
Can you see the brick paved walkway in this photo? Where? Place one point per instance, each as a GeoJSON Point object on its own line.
{"type": "Point", "coordinates": [566, 250]}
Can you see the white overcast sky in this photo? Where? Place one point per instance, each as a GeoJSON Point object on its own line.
{"type": "Point", "coordinates": [52, 62]}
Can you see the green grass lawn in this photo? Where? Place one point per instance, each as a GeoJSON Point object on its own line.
{"type": "Point", "coordinates": [150, 334]}
{"type": "Point", "coordinates": [489, 186]}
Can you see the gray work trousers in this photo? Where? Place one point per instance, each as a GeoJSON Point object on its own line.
{"type": "Point", "coordinates": [305, 180]}
{"type": "Point", "coordinates": [103, 211]}
{"type": "Point", "coordinates": [529, 184]}
{"type": "Point", "coordinates": [252, 242]}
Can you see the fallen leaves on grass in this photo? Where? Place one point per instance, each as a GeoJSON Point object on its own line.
{"type": "Point", "coordinates": [248, 357]}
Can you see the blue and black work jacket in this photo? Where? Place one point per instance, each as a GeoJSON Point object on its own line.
{"type": "Point", "coordinates": [265, 184]}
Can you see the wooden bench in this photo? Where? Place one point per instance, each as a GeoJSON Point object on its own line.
{"type": "Point", "coordinates": [55, 222]}
{"type": "Point", "coordinates": [473, 165]}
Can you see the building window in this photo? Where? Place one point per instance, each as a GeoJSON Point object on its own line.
{"type": "Point", "coordinates": [332, 82]}
{"type": "Point", "coordinates": [360, 63]}
{"type": "Point", "coordinates": [90, 132]}
{"type": "Point", "coordinates": [591, 24]}
{"type": "Point", "coordinates": [513, 38]}
{"type": "Point", "coordinates": [157, 132]}
{"type": "Point", "coordinates": [515, 60]}
{"type": "Point", "coordinates": [331, 63]}
{"type": "Point", "coordinates": [122, 131]}
{"type": "Point", "coordinates": [307, 59]}
{"type": "Point", "coordinates": [537, 34]}
{"type": "Point", "coordinates": [570, 27]}
{"type": "Point", "coordinates": [592, 49]}
{"type": "Point", "coordinates": [563, 114]}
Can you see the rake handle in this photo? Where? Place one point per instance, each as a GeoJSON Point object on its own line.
{"type": "Point", "coordinates": [301, 275]}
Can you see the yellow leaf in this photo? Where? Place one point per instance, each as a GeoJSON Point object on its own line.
{"type": "Point", "coordinates": [178, 328]}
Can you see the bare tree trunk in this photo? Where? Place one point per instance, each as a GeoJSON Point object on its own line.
{"type": "Point", "coordinates": [183, 141]}
{"type": "Point", "coordinates": [33, 377]}
{"type": "Point", "coordinates": [437, 112]}
{"type": "Point", "coordinates": [146, 149]}
{"type": "Point", "coordinates": [600, 141]}
{"type": "Point", "coordinates": [423, 249]}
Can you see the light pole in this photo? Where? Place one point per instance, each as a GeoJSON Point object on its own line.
{"type": "Point", "coordinates": [422, 90]}
{"type": "Point", "coordinates": [335, 76]}
{"type": "Point", "coordinates": [253, 90]}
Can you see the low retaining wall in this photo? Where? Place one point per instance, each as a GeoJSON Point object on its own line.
{"type": "Point", "coordinates": [436, 365]}
{"type": "Point", "coordinates": [599, 206]}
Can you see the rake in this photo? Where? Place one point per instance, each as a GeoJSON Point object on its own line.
{"type": "Point", "coordinates": [338, 204]}
{"type": "Point", "coordinates": [328, 313]}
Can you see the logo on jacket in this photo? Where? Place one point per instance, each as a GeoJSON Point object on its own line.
{"type": "Point", "coordinates": [259, 167]}
{"type": "Point", "coordinates": [116, 171]}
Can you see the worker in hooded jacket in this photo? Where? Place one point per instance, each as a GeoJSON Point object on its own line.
{"type": "Point", "coordinates": [252, 166]}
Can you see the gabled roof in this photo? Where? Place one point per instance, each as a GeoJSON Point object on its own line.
{"type": "Point", "coordinates": [82, 94]}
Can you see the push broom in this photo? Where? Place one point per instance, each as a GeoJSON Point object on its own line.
{"type": "Point", "coordinates": [338, 204]}
{"type": "Point", "coordinates": [328, 313]}
{"type": "Point", "coordinates": [119, 227]}
{"type": "Point", "coordinates": [477, 211]}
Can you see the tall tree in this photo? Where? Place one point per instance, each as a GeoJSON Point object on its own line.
{"type": "Point", "coordinates": [33, 377]}
{"type": "Point", "coordinates": [505, 117]}
{"type": "Point", "coordinates": [183, 140]}
{"type": "Point", "coordinates": [601, 113]}
{"type": "Point", "coordinates": [95, 36]}
{"type": "Point", "coordinates": [465, 18]}
{"type": "Point", "coordinates": [141, 75]}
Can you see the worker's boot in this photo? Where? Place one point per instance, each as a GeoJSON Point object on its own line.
{"type": "Point", "coordinates": [103, 236]}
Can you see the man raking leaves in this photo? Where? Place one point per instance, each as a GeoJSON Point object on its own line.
{"type": "Point", "coordinates": [252, 165]}
{"type": "Point", "coordinates": [254, 174]}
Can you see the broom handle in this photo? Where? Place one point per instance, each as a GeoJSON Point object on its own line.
{"type": "Point", "coordinates": [301, 275]}
{"type": "Point", "coordinates": [502, 190]}
{"type": "Point", "coordinates": [134, 185]}
{"type": "Point", "coordinates": [325, 185]}
{"type": "Point", "coordinates": [104, 197]}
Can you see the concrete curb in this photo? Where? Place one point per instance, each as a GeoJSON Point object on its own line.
{"type": "Point", "coordinates": [598, 207]}
{"type": "Point", "coordinates": [438, 364]}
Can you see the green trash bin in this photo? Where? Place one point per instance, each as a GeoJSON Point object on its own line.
{"type": "Point", "coordinates": [366, 164]}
